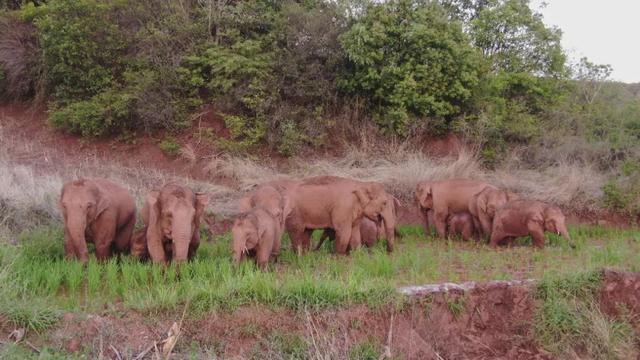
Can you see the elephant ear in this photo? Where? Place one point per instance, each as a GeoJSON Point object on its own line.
{"type": "Point", "coordinates": [286, 209]}
{"type": "Point", "coordinates": [151, 211]}
{"type": "Point", "coordinates": [396, 205]}
{"type": "Point", "coordinates": [102, 204]}
{"type": "Point", "coordinates": [482, 203]}
{"type": "Point", "coordinates": [423, 194]}
{"type": "Point", "coordinates": [362, 196]}
{"type": "Point", "coordinates": [202, 200]}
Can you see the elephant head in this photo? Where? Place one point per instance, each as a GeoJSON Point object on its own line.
{"type": "Point", "coordinates": [373, 200]}
{"type": "Point", "coordinates": [554, 221]}
{"type": "Point", "coordinates": [245, 235]}
{"type": "Point", "coordinates": [490, 200]}
{"type": "Point", "coordinates": [81, 203]}
{"type": "Point", "coordinates": [172, 214]}
{"type": "Point", "coordinates": [424, 196]}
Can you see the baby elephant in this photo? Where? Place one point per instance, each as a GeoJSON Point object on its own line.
{"type": "Point", "coordinates": [255, 234]}
{"type": "Point", "coordinates": [369, 233]}
{"type": "Point", "coordinates": [528, 217]}
{"type": "Point", "coordinates": [461, 223]}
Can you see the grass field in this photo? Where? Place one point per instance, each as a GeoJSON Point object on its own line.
{"type": "Point", "coordinates": [36, 270]}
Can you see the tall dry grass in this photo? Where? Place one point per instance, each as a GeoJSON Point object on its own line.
{"type": "Point", "coordinates": [30, 185]}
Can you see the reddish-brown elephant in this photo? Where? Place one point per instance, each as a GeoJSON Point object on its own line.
{"type": "Point", "coordinates": [446, 197]}
{"type": "Point", "coordinates": [99, 211]}
{"type": "Point", "coordinates": [256, 233]}
{"type": "Point", "coordinates": [528, 217]}
{"type": "Point", "coordinates": [333, 202]}
{"type": "Point", "coordinates": [172, 217]}
{"type": "Point", "coordinates": [371, 231]}
{"type": "Point", "coordinates": [461, 224]}
{"type": "Point", "coordinates": [483, 207]}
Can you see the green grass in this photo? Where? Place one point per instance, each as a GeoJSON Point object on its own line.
{"type": "Point", "coordinates": [315, 280]}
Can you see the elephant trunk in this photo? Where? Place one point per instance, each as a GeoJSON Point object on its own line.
{"type": "Point", "coordinates": [390, 230]}
{"type": "Point", "coordinates": [76, 226]}
{"type": "Point", "coordinates": [182, 234]}
{"type": "Point", "coordinates": [565, 234]}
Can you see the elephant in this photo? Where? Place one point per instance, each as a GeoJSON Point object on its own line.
{"type": "Point", "coordinates": [338, 203]}
{"type": "Point", "coordinates": [256, 233]}
{"type": "Point", "coordinates": [99, 211]}
{"type": "Point", "coordinates": [139, 244]}
{"type": "Point", "coordinates": [269, 198]}
{"type": "Point", "coordinates": [444, 198]}
{"type": "Point", "coordinates": [484, 204]}
{"type": "Point", "coordinates": [371, 231]}
{"type": "Point", "coordinates": [528, 217]}
{"type": "Point", "coordinates": [172, 216]}
{"type": "Point", "coordinates": [461, 223]}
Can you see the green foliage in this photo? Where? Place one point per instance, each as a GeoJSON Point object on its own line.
{"type": "Point", "coordinates": [106, 113]}
{"type": "Point", "coordinates": [365, 350]}
{"type": "Point", "coordinates": [83, 47]}
{"type": "Point", "coordinates": [169, 145]}
{"type": "Point", "coordinates": [409, 62]}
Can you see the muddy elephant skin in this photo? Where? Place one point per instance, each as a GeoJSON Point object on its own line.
{"type": "Point", "coordinates": [172, 217]}
{"type": "Point", "coordinates": [461, 224]}
{"type": "Point", "coordinates": [255, 233]}
{"type": "Point", "coordinates": [99, 211]}
{"type": "Point", "coordinates": [528, 217]}
{"type": "Point", "coordinates": [332, 202]}
{"type": "Point", "coordinates": [483, 207]}
{"type": "Point", "coordinates": [446, 197]}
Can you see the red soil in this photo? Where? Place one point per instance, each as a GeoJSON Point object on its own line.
{"type": "Point", "coordinates": [494, 323]}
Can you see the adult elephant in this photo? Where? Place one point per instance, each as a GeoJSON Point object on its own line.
{"type": "Point", "coordinates": [446, 197]}
{"type": "Point", "coordinates": [99, 211]}
{"type": "Point", "coordinates": [528, 217]}
{"type": "Point", "coordinates": [332, 202]}
{"type": "Point", "coordinates": [483, 207]}
{"type": "Point", "coordinates": [371, 231]}
{"type": "Point", "coordinates": [172, 216]}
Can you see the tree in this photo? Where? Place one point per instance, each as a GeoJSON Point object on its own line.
{"type": "Point", "coordinates": [410, 62]}
{"type": "Point", "coordinates": [591, 77]}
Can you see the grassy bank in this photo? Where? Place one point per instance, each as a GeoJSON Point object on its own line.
{"type": "Point", "coordinates": [317, 280]}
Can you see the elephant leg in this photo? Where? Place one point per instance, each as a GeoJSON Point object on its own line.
{"type": "Point", "coordinates": [441, 224]}
{"type": "Point", "coordinates": [297, 234]}
{"type": "Point", "coordinates": [103, 239]}
{"type": "Point", "coordinates": [327, 233]}
{"type": "Point", "coordinates": [485, 224]}
{"type": "Point", "coordinates": [425, 221]}
{"type": "Point", "coordinates": [124, 235]}
{"type": "Point", "coordinates": [262, 257]}
{"type": "Point", "coordinates": [496, 237]}
{"type": "Point", "coordinates": [306, 239]}
{"type": "Point", "coordinates": [69, 249]}
{"type": "Point", "coordinates": [537, 234]}
{"type": "Point", "coordinates": [343, 238]}
{"type": "Point", "coordinates": [356, 239]}
{"type": "Point", "coordinates": [193, 246]}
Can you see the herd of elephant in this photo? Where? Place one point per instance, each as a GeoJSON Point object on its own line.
{"type": "Point", "coordinates": [350, 212]}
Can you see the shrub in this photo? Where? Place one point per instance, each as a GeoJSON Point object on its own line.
{"type": "Point", "coordinates": [106, 113]}
{"type": "Point", "coordinates": [82, 45]}
{"type": "Point", "coordinates": [409, 61]}
{"type": "Point", "coordinates": [169, 145]}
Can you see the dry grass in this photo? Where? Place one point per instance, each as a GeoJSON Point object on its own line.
{"type": "Point", "coordinates": [28, 197]}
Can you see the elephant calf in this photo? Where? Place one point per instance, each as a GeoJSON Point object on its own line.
{"type": "Point", "coordinates": [99, 211]}
{"type": "Point", "coordinates": [256, 234]}
{"type": "Point", "coordinates": [483, 207]}
{"type": "Point", "coordinates": [461, 223]}
{"type": "Point", "coordinates": [528, 217]}
{"type": "Point", "coordinates": [271, 200]}
{"type": "Point", "coordinates": [369, 233]}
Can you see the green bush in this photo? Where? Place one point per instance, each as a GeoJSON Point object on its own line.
{"type": "Point", "coordinates": [169, 145]}
{"type": "Point", "coordinates": [83, 46]}
{"type": "Point", "coordinates": [107, 113]}
{"type": "Point", "coordinates": [409, 61]}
